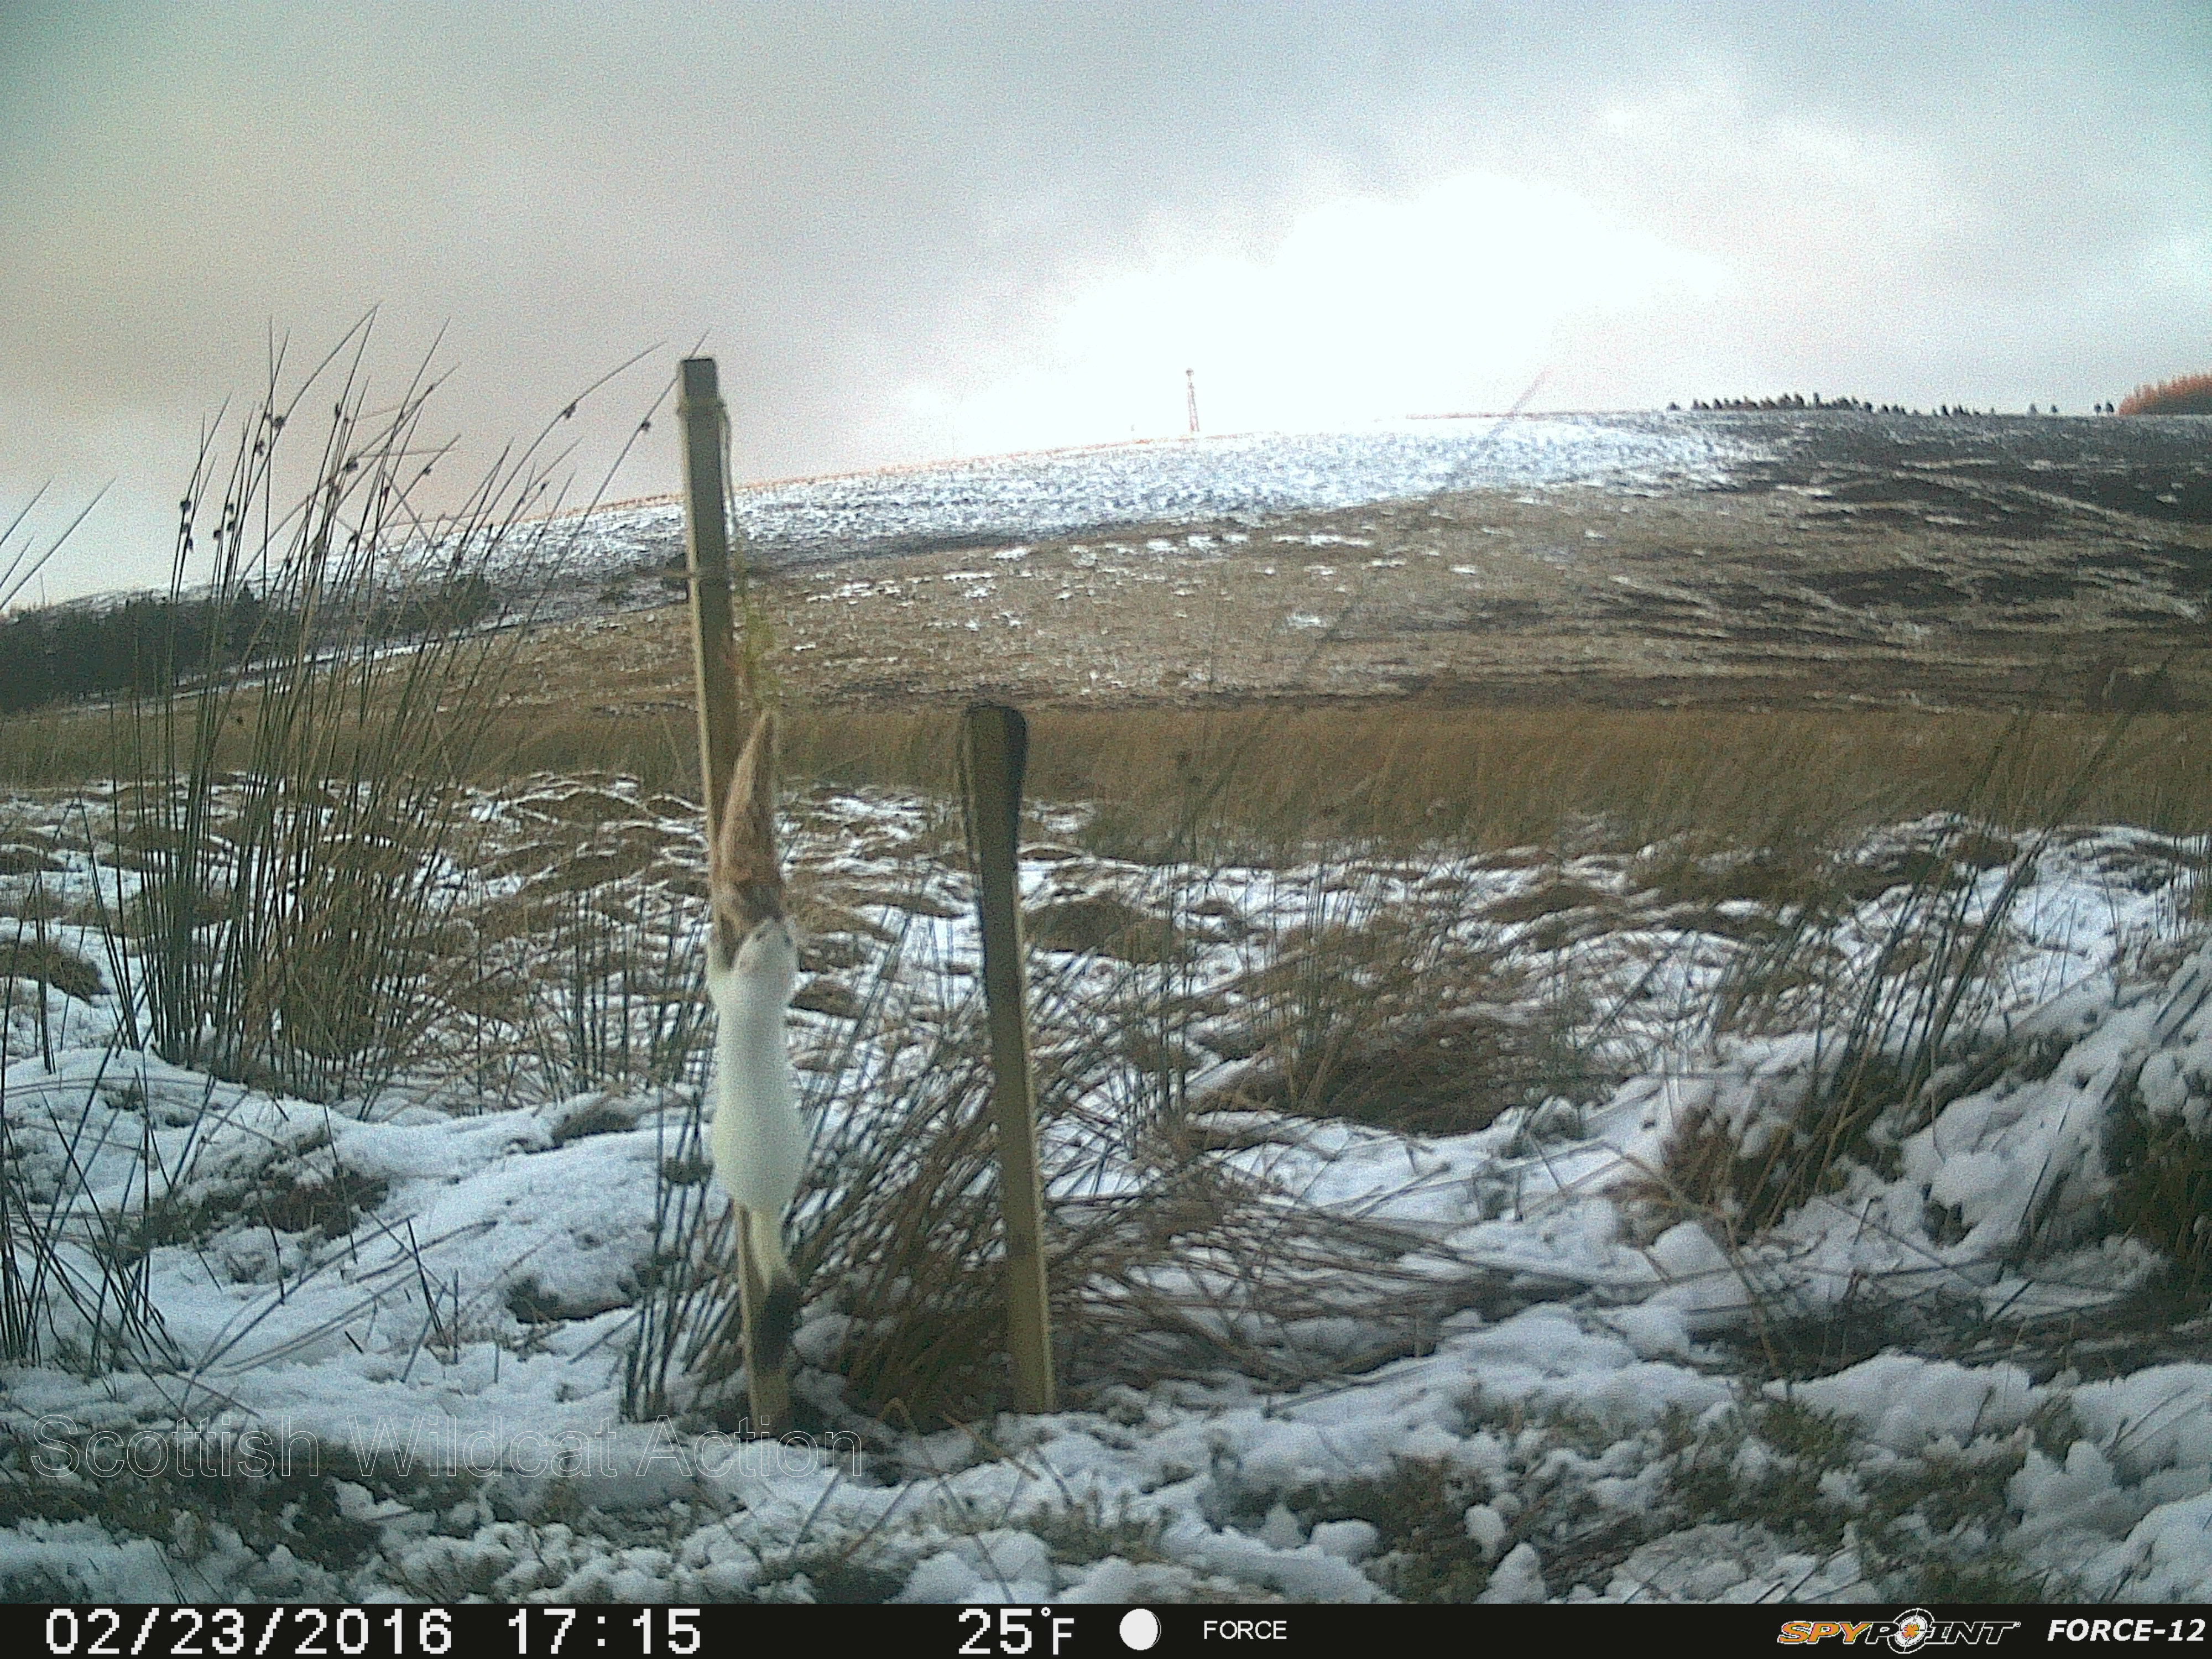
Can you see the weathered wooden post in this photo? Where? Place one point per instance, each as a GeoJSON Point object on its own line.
{"type": "Point", "coordinates": [993, 752]}
{"type": "Point", "coordinates": [719, 672]}
{"type": "Point", "coordinates": [715, 655]}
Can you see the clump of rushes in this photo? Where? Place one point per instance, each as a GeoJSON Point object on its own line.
{"type": "Point", "coordinates": [292, 793]}
{"type": "Point", "coordinates": [1890, 1022]}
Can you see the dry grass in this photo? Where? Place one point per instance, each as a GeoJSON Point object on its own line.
{"type": "Point", "coordinates": [1889, 1027]}
{"type": "Point", "coordinates": [1390, 1015]}
{"type": "Point", "coordinates": [1494, 778]}
{"type": "Point", "coordinates": [1488, 778]}
{"type": "Point", "coordinates": [2164, 1170]}
{"type": "Point", "coordinates": [1271, 775]}
{"type": "Point", "coordinates": [1403, 775]}
{"type": "Point", "coordinates": [1166, 1260]}
{"type": "Point", "coordinates": [1500, 778]}
{"type": "Point", "coordinates": [50, 963]}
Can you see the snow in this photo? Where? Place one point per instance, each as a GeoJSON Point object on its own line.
{"type": "Point", "coordinates": [1904, 1403]}
{"type": "Point", "coordinates": [1020, 499]}
{"type": "Point", "coordinates": [1598, 1382]}
{"type": "Point", "coordinates": [1519, 1577]}
{"type": "Point", "coordinates": [76, 1561]}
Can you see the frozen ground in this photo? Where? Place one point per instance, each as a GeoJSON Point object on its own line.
{"type": "Point", "coordinates": [1560, 1380]}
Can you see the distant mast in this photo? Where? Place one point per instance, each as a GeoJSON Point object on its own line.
{"type": "Point", "coordinates": [1190, 398]}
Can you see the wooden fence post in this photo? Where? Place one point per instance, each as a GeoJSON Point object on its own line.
{"type": "Point", "coordinates": [993, 752]}
{"type": "Point", "coordinates": [717, 669]}
{"type": "Point", "coordinates": [714, 656]}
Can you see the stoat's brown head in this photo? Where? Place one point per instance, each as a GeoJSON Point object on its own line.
{"type": "Point", "coordinates": [745, 877]}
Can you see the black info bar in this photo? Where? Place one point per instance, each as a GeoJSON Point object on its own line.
{"type": "Point", "coordinates": [617, 1630]}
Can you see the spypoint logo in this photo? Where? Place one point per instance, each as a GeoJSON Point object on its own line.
{"type": "Point", "coordinates": [1910, 1631]}
{"type": "Point", "coordinates": [1914, 1630]}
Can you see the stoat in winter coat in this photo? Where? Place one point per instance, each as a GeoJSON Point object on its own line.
{"type": "Point", "coordinates": [759, 1141]}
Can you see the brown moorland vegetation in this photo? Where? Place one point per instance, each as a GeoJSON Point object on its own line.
{"type": "Point", "coordinates": [1394, 775]}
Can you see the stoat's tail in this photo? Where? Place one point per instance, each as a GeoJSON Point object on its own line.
{"type": "Point", "coordinates": [778, 1315]}
{"type": "Point", "coordinates": [779, 1318]}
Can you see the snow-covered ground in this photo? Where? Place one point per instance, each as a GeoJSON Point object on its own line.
{"type": "Point", "coordinates": [1054, 492]}
{"type": "Point", "coordinates": [1591, 1407]}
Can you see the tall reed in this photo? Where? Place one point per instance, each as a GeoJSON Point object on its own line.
{"type": "Point", "coordinates": [292, 788]}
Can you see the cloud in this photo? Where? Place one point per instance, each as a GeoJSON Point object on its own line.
{"type": "Point", "coordinates": [1368, 308]}
{"type": "Point", "coordinates": [911, 229]}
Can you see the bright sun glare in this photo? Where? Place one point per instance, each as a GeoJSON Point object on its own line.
{"type": "Point", "coordinates": [1369, 309]}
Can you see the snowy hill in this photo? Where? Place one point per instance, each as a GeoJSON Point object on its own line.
{"type": "Point", "coordinates": [1014, 498]}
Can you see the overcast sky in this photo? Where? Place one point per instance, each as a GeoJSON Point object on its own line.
{"type": "Point", "coordinates": [914, 231]}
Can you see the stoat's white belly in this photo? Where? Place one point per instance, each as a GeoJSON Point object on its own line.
{"type": "Point", "coordinates": [758, 1140]}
